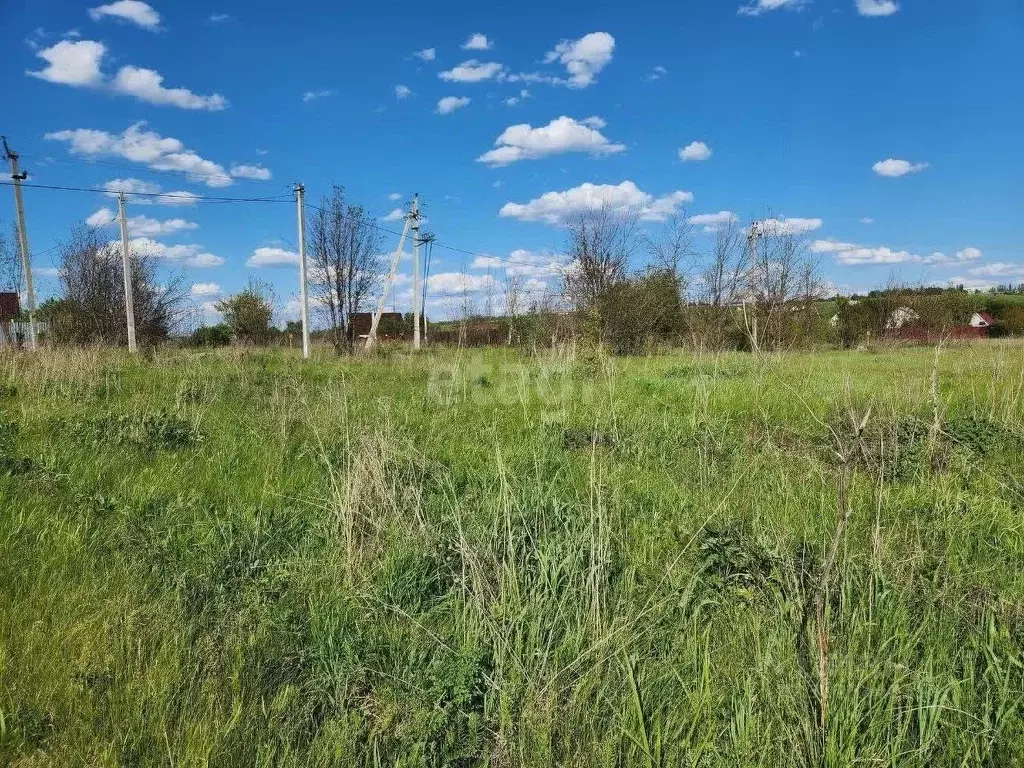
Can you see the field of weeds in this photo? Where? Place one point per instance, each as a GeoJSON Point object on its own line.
{"type": "Point", "coordinates": [494, 559]}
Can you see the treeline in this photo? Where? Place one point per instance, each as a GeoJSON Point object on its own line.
{"type": "Point", "coordinates": [756, 288]}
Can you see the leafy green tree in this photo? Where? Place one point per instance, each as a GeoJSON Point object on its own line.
{"type": "Point", "coordinates": [249, 313]}
{"type": "Point", "coordinates": [211, 335]}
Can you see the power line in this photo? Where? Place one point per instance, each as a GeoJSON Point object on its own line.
{"type": "Point", "coordinates": [275, 199]}
{"type": "Point", "coordinates": [165, 195]}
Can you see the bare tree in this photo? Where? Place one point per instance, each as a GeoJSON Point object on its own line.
{"type": "Point", "coordinates": [346, 262]}
{"type": "Point", "coordinates": [92, 308]}
{"type": "Point", "coordinates": [513, 301]}
{"type": "Point", "coordinates": [671, 249]}
{"type": "Point", "coordinates": [601, 242]}
{"type": "Point", "coordinates": [782, 288]}
{"type": "Point", "coordinates": [723, 274]}
{"type": "Point", "coordinates": [10, 261]}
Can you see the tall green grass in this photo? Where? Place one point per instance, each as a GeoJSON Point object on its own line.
{"type": "Point", "coordinates": [496, 559]}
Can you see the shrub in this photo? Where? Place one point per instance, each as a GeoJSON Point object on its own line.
{"type": "Point", "coordinates": [211, 336]}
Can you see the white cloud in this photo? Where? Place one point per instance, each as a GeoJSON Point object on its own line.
{"type": "Point", "coordinates": [563, 134]}
{"type": "Point", "coordinates": [449, 104]}
{"type": "Point", "coordinates": [478, 42]}
{"type": "Point", "coordinates": [523, 263]}
{"type": "Point", "coordinates": [101, 218]}
{"type": "Point", "coordinates": [185, 255]}
{"type": "Point", "coordinates": [146, 193]}
{"type": "Point", "coordinates": [1000, 269]}
{"type": "Point", "coordinates": [217, 18]}
{"type": "Point", "coordinates": [141, 226]}
{"type": "Point", "coordinates": [78, 64]}
{"type": "Point", "coordinates": [893, 168]}
{"type": "Point", "coordinates": [397, 214]}
{"type": "Point", "coordinates": [757, 7]}
{"type": "Point", "coordinates": [790, 226]}
{"type": "Point", "coordinates": [695, 151]}
{"type": "Point", "coordinates": [147, 148]}
{"type": "Point", "coordinates": [147, 85]}
{"type": "Point", "coordinates": [205, 289]}
{"type": "Point", "coordinates": [867, 220]}
{"type": "Point", "coordinates": [852, 254]}
{"type": "Point", "coordinates": [402, 91]}
{"type": "Point", "coordinates": [256, 172]}
{"type": "Point", "coordinates": [968, 254]}
{"type": "Point", "coordinates": [583, 58]}
{"type": "Point", "coordinates": [712, 221]}
{"type": "Point", "coordinates": [272, 257]}
{"type": "Point", "coordinates": [459, 282]}
{"type": "Point", "coordinates": [72, 63]}
{"type": "Point", "coordinates": [134, 11]}
{"type": "Point", "coordinates": [395, 196]}
{"type": "Point", "coordinates": [321, 94]}
{"type": "Point", "coordinates": [427, 54]}
{"type": "Point", "coordinates": [877, 7]}
{"type": "Point", "coordinates": [656, 73]}
{"type": "Point", "coordinates": [472, 71]}
{"type": "Point", "coordinates": [511, 101]}
{"type": "Point", "coordinates": [554, 207]}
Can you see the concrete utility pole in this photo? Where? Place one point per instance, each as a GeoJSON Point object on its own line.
{"type": "Point", "coordinates": [300, 199]}
{"type": "Point", "coordinates": [416, 284]}
{"type": "Point", "coordinates": [371, 337]}
{"type": "Point", "coordinates": [129, 299]}
{"type": "Point", "coordinates": [26, 263]}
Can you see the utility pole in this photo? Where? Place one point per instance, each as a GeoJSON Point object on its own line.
{"type": "Point", "coordinates": [300, 199]}
{"type": "Point", "coordinates": [371, 337]}
{"type": "Point", "coordinates": [416, 285]}
{"type": "Point", "coordinates": [129, 299]}
{"type": "Point", "coordinates": [26, 263]}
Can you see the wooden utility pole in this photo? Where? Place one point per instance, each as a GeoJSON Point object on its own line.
{"type": "Point", "coordinates": [300, 199]}
{"type": "Point", "coordinates": [26, 262]}
{"type": "Point", "coordinates": [126, 266]}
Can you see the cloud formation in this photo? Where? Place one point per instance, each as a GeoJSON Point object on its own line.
{"type": "Point", "coordinates": [712, 221]}
{"type": "Point", "coordinates": [695, 151]}
{"type": "Point", "coordinates": [145, 147]}
{"type": "Point", "coordinates": [78, 63]}
{"type": "Point", "coordinates": [478, 42]}
{"type": "Point", "coordinates": [449, 104]}
{"type": "Point", "coordinates": [563, 134]}
{"type": "Point", "coordinates": [584, 58]}
{"type": "Point", "coordinates": [255, 172]}
{"type": "Point", "coordinates": [75, 63]}
{"type": "Point", "coordinates": [757, 7]}
{"type": "Point", "coordinates": [555, 207]}
{"type": "Point", "coordinates": [146, 193]}
{"type": "Point", "coordinates": [133, 11]}
{"type": "Point", "coordinates": [272, 257]}
{"type": "Point", "coordinates": [191, 255]}
{"type": "Point", "coordinates": [852, 254]}
{"type": "Point", "coordinates": [892, 168]}
{"type": "Point", "coordinates": [473, 71]}
{"type": "Point", "coordinates": [877, 7]}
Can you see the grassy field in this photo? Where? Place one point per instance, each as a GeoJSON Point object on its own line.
{"type": "Point", "coordinates": [462, 559]}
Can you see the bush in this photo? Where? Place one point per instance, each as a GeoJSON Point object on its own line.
{"type": "Point", "coordinates": [211, 336]}
{"type": "Point", "coordinates": [249, 313]}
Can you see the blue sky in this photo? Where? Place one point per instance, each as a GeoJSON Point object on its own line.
{"type": "Point", "coordinates": [887, 130]}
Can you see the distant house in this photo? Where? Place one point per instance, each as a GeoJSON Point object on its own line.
{"type": "Point", "coordinates": [982, 320]}
{"type": "Point", "coordinates": [391, 325]}
{"type": "Point", "coordinates": [900, 317]}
